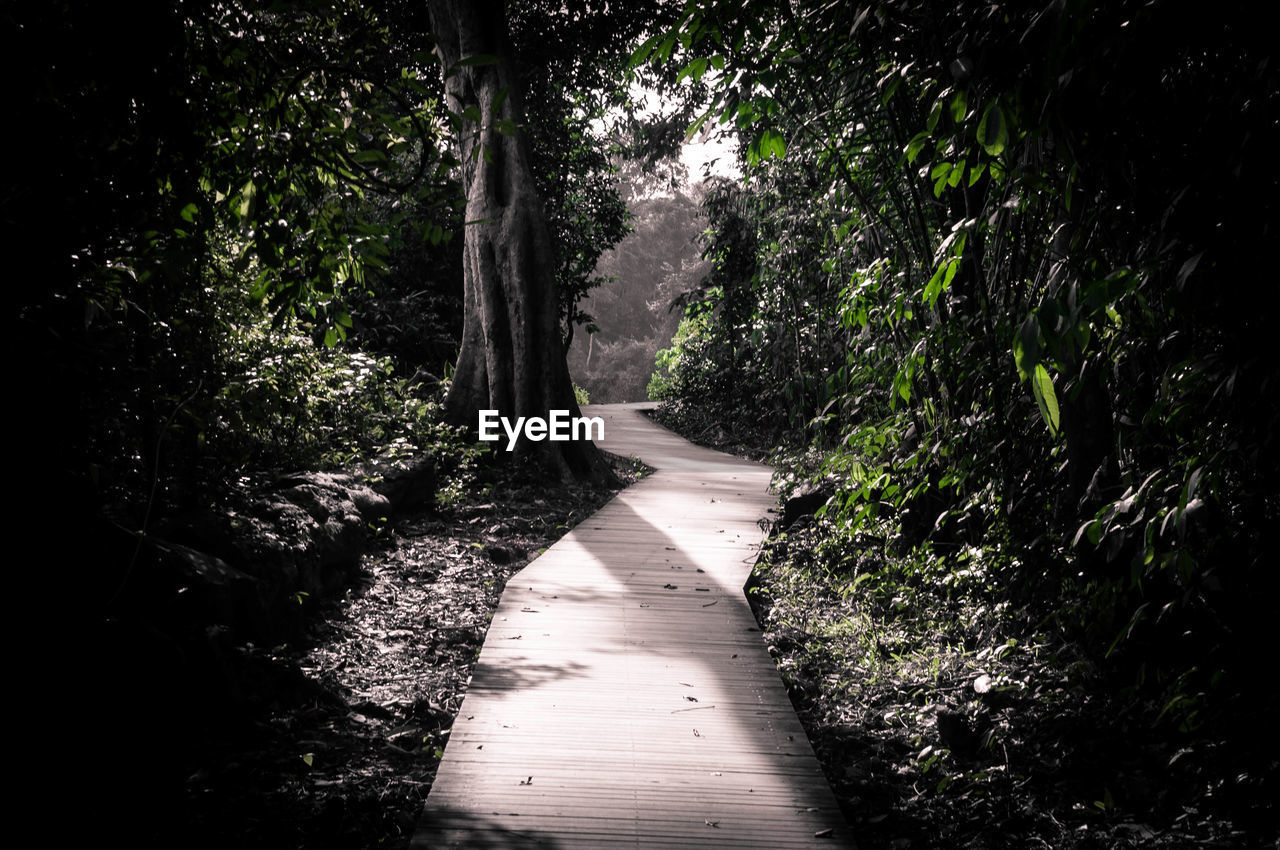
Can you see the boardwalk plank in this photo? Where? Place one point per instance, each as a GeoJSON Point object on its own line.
{"type": "Point", "coordinates": [623, 696]}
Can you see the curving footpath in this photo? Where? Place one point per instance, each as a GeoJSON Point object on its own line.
{"type": "Point", "coordinates": [623, 697]}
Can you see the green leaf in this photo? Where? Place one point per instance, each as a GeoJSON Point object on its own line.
{"type": "Point", "coordinates": [1090, 530]}
{"type": "Point", "coordinates": [993, 133]}
{"type": "Point", "coordinates": [664, 49]}
{"type": "Point", "coordinates": [642, 52]}
{"type": "Point", "coordinates": [959, 107]}
{"type": "Point", "coordinates": [934, 287]}
{"type": "Point", "coordinates": [771, 144]}
{"type": "Point", "coordinates": [932, 123]}
{"type": "Point", "coordinates": [1026, 346]}
{"type": "Point", "coordinates": [696, 126]}
{"type": "Point", "coordinates": [260, 285]}
{"type": "Point", "coordinates": [1046, 398]}
{"type": "Point", "coordinates": [694, 69]}
{"type": "Point", "coordinates": [330, 338]}
{"type": "Point", "coordinates": [939, 175]}
{"type": "Point", "coordinates": [941, 279]}
{"type": "Point", "coordinates": [760, 147]}
{"type": "Point", "coordinates": [915, 146]}
{"type": "Point", "coordinates": [951, 272]}
{"type": "Point", "coordinates": [1094, 532]}
{"type": "Point", "coordinates": [246, 198]}
{"type": "Point", "coordinates": [477, 59]}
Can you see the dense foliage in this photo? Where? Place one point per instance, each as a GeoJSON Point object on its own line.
{"type": "Point", "coordinates": [999, 287]}
{"type": "Point", "coordinates": [247, 214]}
{"type": "Point", "coordinates": [209, 206]}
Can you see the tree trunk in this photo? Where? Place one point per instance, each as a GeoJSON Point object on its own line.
{"type": "Point", "coordinates": [512, 359]}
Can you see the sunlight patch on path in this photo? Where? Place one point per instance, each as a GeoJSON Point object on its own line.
{"type": "Point", "coordinates": [623, 696]}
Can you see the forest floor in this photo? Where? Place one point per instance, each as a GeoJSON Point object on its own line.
{"type": "Point", "coordinates": [347, 755]}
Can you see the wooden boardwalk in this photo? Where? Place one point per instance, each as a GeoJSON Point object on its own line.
{"type": "Point", "coordinates": [624, 697]}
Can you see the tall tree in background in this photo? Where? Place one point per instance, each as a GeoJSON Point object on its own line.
{"type": "Point", "coordinates": [512, 358]}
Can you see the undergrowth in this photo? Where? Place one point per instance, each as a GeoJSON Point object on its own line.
{"type": "Point", "coordinates": [945, 715]}
{"type": "Point", "coordinates": [953, 697]}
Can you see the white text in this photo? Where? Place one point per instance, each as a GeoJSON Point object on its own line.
{"type": "Point", "coordinates": [557, 428]}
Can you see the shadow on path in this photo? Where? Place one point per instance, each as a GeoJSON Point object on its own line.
{"type": "Point", "coordinates": [623, 695]}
